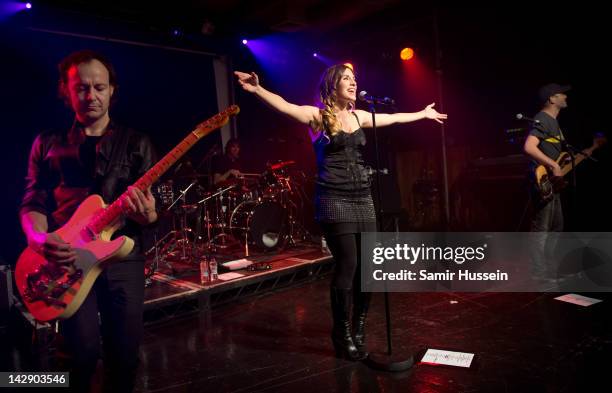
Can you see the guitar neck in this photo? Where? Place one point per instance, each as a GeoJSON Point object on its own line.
{"type": "Point", "coordinates": [578, 158]}
{"type": "Point", "coordinates": [114, 210]}
{"type": "Point", "coordinates": [598, 141]}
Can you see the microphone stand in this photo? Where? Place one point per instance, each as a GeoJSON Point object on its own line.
{"type": "Point", "coordinates": [208, 158]}
{"type": "Point", "coordinates": [384, 361]}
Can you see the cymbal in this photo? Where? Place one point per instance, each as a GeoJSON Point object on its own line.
{"type": "Point", "coordinates": [227, 183]}
{"type": "Point", "coordinates": [245, 178]}
{"type": "Point", "coordinates": [191, 176]}
{"type": "Point", "coordinates": [281, 164]}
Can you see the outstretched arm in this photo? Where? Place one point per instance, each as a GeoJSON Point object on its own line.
{"type": "Point", "coordinates": [302, 113]}
{"type": "Point", "coordinates": [384, 119]}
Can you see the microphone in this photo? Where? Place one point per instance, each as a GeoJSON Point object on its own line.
{"type": "Point", "coordinates": [364, 96]}
{"type": "Point", "coordinates": [520, 116]}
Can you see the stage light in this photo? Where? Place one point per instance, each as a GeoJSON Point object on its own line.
{"type": "Point", "coordinates": [315, 54]}
{"type": "Point", "coordinates": [28, 5]}
{"type": "Point", "coordinates": [245, 42]}
{"type": "Point", "coordinates": [407, 54]}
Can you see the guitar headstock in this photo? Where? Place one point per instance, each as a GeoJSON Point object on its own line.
{"type": "Point", "coordinates": [217, 121]}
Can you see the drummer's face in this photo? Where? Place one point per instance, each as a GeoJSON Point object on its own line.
{"type": "Point", "coordinates": [234, 150]}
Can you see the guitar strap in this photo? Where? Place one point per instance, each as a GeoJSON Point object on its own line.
{"type": "Point", "coordinates": [549, 135]}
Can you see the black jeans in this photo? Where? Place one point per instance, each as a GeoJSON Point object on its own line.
{"type": "Point", "coordinates": [118, 297]}
{"type": "Point", "coordinates": [548, 218]}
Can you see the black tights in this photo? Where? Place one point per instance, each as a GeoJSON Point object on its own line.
{"type": "Point", "coordinates": [346, 250]}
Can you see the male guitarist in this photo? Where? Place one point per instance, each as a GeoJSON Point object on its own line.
{"type": "Point", "coordinates": [544, 144]}
{"type": "Point", "coordinates": [95, 155]}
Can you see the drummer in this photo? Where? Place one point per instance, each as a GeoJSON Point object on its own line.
{"type": "Point", "coordinates": [227, 169]}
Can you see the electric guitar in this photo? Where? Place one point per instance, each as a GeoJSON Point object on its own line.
{"type": "Point", "coordinates": [50, 291]}
{"type": "Point", "coordinates": [547, 184]}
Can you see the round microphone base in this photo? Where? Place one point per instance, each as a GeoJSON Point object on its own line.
{"type": "Point", "coordinates": [386, 362]}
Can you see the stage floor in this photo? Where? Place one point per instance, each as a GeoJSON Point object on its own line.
{"type": "Point", "coordinates": [279, 342]}
{"type": "Point", "coordinates": [260, 337]}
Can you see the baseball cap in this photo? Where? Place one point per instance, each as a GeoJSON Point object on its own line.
{"type": "Point", "coordinates": [551, 89]}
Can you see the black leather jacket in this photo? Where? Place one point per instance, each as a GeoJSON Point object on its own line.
{"type": "Point", "coordinates": [61, 174]}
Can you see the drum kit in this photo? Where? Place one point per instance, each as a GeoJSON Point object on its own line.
{"type": "Point", "coordinates": [258, 212]}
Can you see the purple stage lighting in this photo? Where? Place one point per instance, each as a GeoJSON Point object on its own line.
{"type": "Point", "coordinates": [245, 42]}
{"type": "Point", "coordinates": [324, 59]}
{"type": "Point", "coordinates": [9, 8]}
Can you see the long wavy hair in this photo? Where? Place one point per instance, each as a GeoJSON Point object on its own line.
{"type": "Point", "coordinates": [328, 90]}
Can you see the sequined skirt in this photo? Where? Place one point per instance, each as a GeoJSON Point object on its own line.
{"type": "Point", "coordinates": [335, 209]}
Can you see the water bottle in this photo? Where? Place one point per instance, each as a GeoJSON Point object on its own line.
{"type": "Point", "coordinates": [212, 265]}
{"type": "Point", "coordinates": [204, 271]}
{"type": "Point", "coordinates": [324, 247]}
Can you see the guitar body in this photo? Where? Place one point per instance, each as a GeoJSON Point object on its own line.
{"type": "Point", "coordinates": [48, 294]}
{"type": "Point", "coordinates": [547, 184]}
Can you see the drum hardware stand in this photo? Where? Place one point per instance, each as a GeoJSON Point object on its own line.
{"type": "Point", "coordinates": [183, 223]}
{"type": "Point", "coordinates": [246, 243]}
{"type": "Point", "coordinates": [159, 256]}
{"type": "Point", "coordinates": [154, 265]}
{"type": "Point", "coordinates": [181, 196]}
{"type": "Point", "coordinates": [292, 222]}
{"type": "Point", "coordinates": [210, 246]}
{"type": "Point", "coordinates": [211, 240]}
{"type": "Point", "coordinates": [295, 227]}
{"type": "Point", "coordinates": [195, 255]}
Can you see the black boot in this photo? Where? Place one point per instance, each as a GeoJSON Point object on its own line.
{"type": "Point", "coordinates": [361, 304]}
{"type": "Point", "coordinates": [341, 333]}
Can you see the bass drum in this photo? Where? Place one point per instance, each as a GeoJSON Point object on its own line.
{"type": "Point", "coordinates": [263, 224]}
